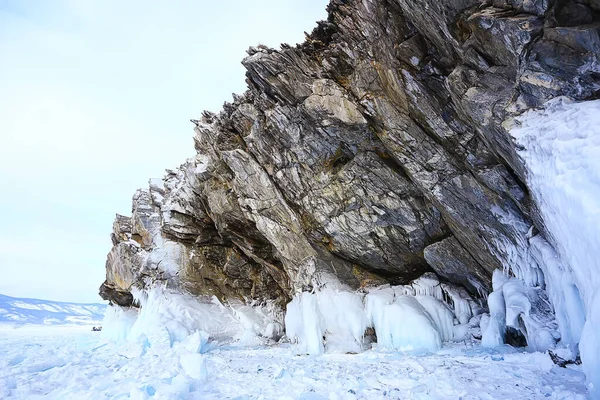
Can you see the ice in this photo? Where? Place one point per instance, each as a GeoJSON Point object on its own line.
{"type": "Point", "coordinates": [118, 322]}
{"type": "Point", "coordinates": [58, 363]}
{"type": "Point", "coordinates": [521, 301]}
{"type": "Point", "coordinates": [421, 315]}
{"type": "Point", "coordinates": [179, 346]}
{"type": "Point", "coordinates": [375, 303]}
{"type": "Point", "coordinates": [194, 366]}
{"type": "Point", "coordinates": [562, 291]}
{"type": "Point", "coordinates": [427, 285]}
{"type": "Point", "coordinates": [515, 304]}
{"type": "Point", "coordinates": [258, 323]}
{"type": "Point", "coordinates": [460, 300]}
{"type": "Point", "coordinates": [461, 332]}
{"type": "Point", "coordinates": [167, 317]}
{"type": "Point", "coordinates": [495, 326]}
{"type": "Point", "coordinates": [406, 325]}
{"type": "Point", "coordinates": [442, 317]}
{"type": "Point", "coordinates": [561, 150]}
{"type": "Point", "coordinates": [274, 331]}
{"type": "Point", "coordinates": [338, 316]}
{"type": "Point", "coordinates": [304, 324]}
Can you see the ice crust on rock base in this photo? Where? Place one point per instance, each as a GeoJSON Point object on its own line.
{"type": "Point", "coordinates": [336, 315]}
{"type": "Point", "coordinates": [403, 323]}
{"type": "Point", "coordinates": [172, 317]}
{"type": "Point", "coordinates": [421, 315]}
{"type": "Point", "coordinates": [515, 304]}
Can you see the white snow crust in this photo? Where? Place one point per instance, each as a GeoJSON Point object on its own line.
{"type": "Point", "coordinates": [560, 146]}
{"type": "Point", "coordinates": [75, 363]}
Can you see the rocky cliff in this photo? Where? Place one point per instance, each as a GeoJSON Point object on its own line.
{"type": "Point", "coordinates": [374, 152]}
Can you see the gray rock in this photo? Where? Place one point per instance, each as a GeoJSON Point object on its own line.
{"type": "Point", "coordinates": [373, 152]}
{"type": "Point", "coordinates": [450, 260]}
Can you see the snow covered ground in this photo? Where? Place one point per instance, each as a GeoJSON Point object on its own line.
{"type": "Point", "coordinates": [19, 311]}
{"type": "Point", "coordinates": [57, 362]}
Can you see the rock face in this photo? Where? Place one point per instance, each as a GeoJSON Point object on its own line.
{"type": "Point", "coordinates": [374, 152]}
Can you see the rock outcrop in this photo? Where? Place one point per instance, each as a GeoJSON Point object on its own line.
{"type": "Point", "coordinates": [374, 152]}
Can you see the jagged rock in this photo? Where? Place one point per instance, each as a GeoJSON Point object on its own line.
{"type": "Point", "coordinates": [116, 296]}
{"type": "Point", "coordinates": [449, 259]}
{"type": "Point", "coordinates": [375, 151]}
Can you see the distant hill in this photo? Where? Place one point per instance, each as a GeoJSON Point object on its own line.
{"type": "Point", "coordinates": [14, 310]}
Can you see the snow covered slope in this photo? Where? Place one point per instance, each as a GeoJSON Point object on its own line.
{"type": "Point", "coordinates": [20, 311]}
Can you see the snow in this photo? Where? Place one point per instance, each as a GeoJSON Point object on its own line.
{"type": "Point", "coordinates": [75, 363]}
{"type": "Point", "coordinates": [202, 163]}
{"type": "Point", "coordinates": [33, 311]}
{"type": "Point", "coordinates": [181, 347]}
{"type": "Point", "coordinates": [560, 146]}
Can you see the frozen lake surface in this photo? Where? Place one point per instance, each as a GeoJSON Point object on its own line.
{"type": "Point", "coordinates": [62, 362]}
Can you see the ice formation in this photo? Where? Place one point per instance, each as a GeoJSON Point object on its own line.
{"type": "Point", "coordinates": [515, 304]}
{"type": "Point", "coordinates": [403, 324]}
{"type": "Point", "coordinates": [336, 315]}
{"type": "Point", "coordinates": [495, 326]}
{"type": "Point", "coordinates": [171, 316]}
{"type": "Point", "coordinates": [421, 315]}
{"type": "Point", "coordinates": [118, 322]}
{"type": "Point", "coordinates": [561, 150]}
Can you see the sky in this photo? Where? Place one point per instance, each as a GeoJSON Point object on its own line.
{"type": "Point", "coordinates": [95, 99]}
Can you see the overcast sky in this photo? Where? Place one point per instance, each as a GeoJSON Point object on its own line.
{"type": "Point", "coordinates": [95, 99]}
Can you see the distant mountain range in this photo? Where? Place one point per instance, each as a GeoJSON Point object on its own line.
{"type": "Point", "coordinates": [14, 310]}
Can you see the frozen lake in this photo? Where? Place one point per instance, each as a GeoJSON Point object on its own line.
{"type": "Point", "coordinates": [60, 362]}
